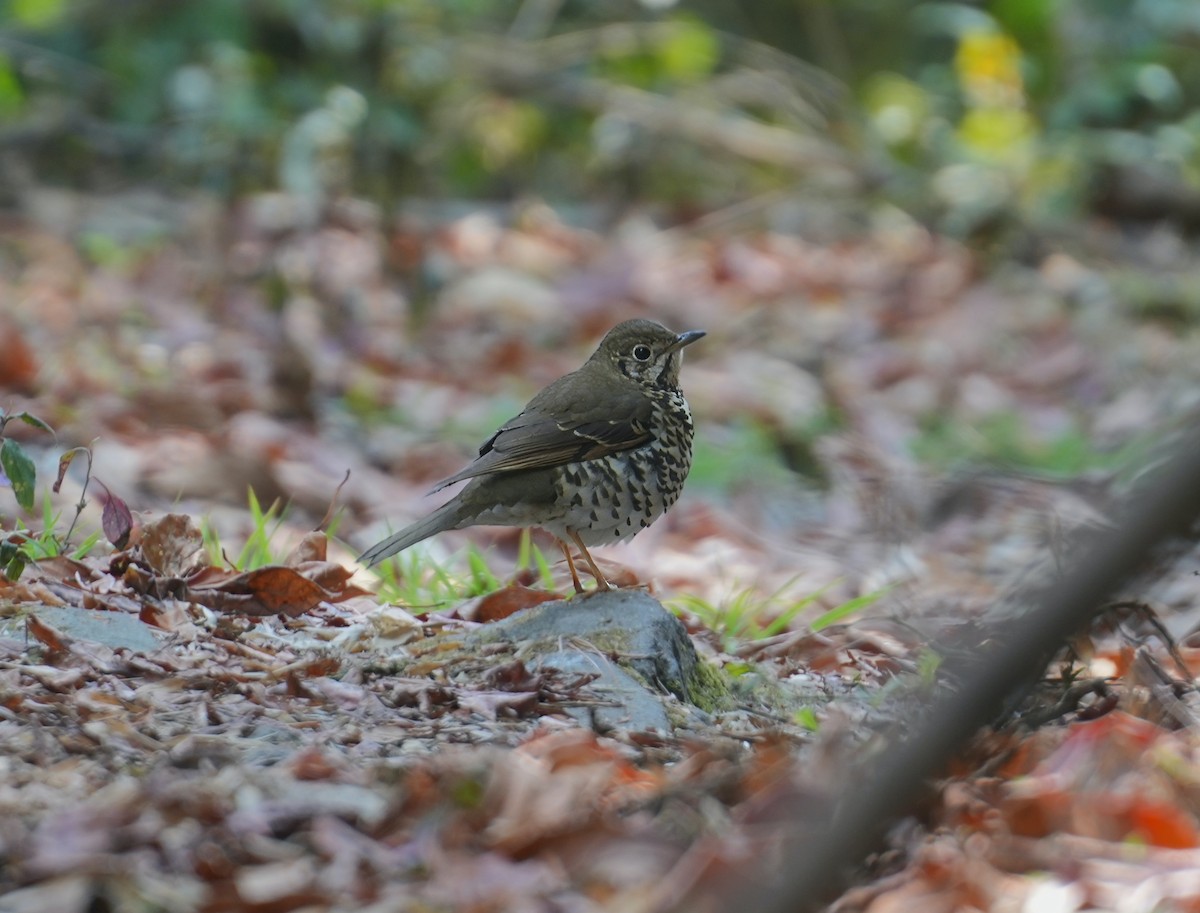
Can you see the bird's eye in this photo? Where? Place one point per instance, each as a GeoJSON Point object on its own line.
{"type": "Point", "coordinates": [642, 353]}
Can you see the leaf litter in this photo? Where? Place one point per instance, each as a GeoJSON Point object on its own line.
{"type": "Point", "coordinates": [283, 741]}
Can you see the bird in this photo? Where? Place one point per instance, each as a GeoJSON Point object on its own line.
{"type": "Point", "coordinates": [595, 457]}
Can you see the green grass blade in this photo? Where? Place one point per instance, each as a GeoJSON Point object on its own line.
{"type": "Point", "coordinates": [847, 608]}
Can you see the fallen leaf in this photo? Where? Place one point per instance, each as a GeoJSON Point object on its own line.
{"type": "Point", "coordinates": [331, 576]}
{"type": "Point", "coordinates": [45, 634]}
{"type": "Point", "coordinates": [313, 547]}
{"type": "Point", "coordinates": [275, 883]}
{"type": "Point", "coordinates": [507, 601]}
{"type": "Point", "coordinates": [173, 545]}
{"type": "Point", "coordinates": [492, 704]}
{"type": "Point", "coordinates": [1164, 824]}
{"type": "Point", "coordinates": [272, 590]}
{"type": "Point", "coordinates": [18, 364]}
{"type": "Point", "coordinates": [116, 520]}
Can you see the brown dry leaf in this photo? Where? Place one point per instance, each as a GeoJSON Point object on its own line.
{"type": "Point", "coordinates": [391, 621]}
{"type": "Point", "coordinates": [504, 602]}
{"type": "Point", "coordinates": [555, 784]}
{"type": "Point", "coordinates": [63, 568]}
{"type": "Point", "coordinates": [493, 704]}
{"type": "Point", "coordinates": [167, 615]}
{"type": "Point", "coordinates": [272, 590]}
{"type": "Point", "coordinates": [313, 547]}
{"type": "Point", "coordinates": [173, 545]}
{"type": "Point", "coordinates": [46, 634]}
{"type": "Point", "coordinates": [324, 666]}
{"type": "Point", "coordinates": [56, 680]}
{"type": "Point", "coordinates": [571, 748]}
{"type": "Point", "coordinates": [315, 763]}
{"type": "Point", "coordinates": [20, 592]}
{"type": "Point", "coordinates": [332, 577]}
{"type": "Point", "coordinates": [513, 676]}
{"type": "Point", "coordinates": [18, 364]}
{"type": "Point", "coordinates": [210, 576]}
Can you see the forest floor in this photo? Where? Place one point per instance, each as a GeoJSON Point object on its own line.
{"type": "Point", "coordinates": [200, 711]}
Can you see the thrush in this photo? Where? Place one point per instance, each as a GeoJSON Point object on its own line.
{"type": "Point", "coordinates": [597, 456]}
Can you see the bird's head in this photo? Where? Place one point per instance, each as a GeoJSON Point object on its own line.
{"type": "Point", "coordinates": [646, 352]}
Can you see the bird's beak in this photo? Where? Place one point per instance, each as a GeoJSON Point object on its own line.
{"type": "Point", "coordinates": [684, 339]}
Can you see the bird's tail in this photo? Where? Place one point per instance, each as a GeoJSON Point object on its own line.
{"type": "Point", "coordinates": [444, 518]}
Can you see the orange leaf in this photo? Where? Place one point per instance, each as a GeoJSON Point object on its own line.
{"type": "Point", "coordinates": [505, 602]}
{"type": "Point", "coordinates": [1163, 824]}
{"type": "Point", "coordinates": [328, 574]}
{"type": "Point", "coordinates": [46, 634]}
{"type": "Point", "coordinates": [272, 590]}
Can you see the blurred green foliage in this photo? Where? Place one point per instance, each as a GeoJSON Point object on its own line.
{"type": "Point", "coordinates": [1004, 441]}
{"type": "Point", "coordinates": [963, 113]}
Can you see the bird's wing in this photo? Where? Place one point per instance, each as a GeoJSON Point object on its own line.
{"type": "Point", "coordinates": [535, 439]}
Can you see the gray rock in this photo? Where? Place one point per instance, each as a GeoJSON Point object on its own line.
{"type": "Point", "coordinates": [638, 650]}
{"type": "Point", "coordinates": [113, 629]}
{"type": "Point", "coordinates": [624, 701]}
{"type": "Point", "coordinates": [629, 624]}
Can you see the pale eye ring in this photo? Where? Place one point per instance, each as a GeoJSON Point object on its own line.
{"type": "Point", "coordinates": [642, 353]}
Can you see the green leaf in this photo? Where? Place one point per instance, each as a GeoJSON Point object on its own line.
{"type": "Point", "coordinates": [807, 717]}
{"type": "Point", "coordinates": [20, 471]}
{"type": "Point", "coordinates": [38, 13]}
{"type": "Point", "coordinates": [34, 421]}
{"type": "Point", "coordinates": [12, 97]}
{"type": "Point", "coordinates": [691, 51]}
{"type": "Point", "coordinates": [849, 607]}
{"type": "Point", "coordinates": [482, 578]}
{"type": "Point", "coordinates": [928, 663]}
{"type": "Point", "coordinates": [545, 574]}
{"type": "Point", "coordinates": [12, 559]}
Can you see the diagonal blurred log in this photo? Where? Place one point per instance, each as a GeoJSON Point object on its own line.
{"type": "Point", "coordinates": [823, 849]}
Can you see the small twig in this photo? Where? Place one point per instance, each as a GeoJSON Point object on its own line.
{"type": "Point", "coordinates": [1168, 690]}
{"type": "Point", "coordinates": [1069, 701]}
{"type": "Point", "coordinates": [63, 463]}
{"type": "Point", "coordinates": [1147, 614]}
{"type": "Point", "coordinates": [325, 520]}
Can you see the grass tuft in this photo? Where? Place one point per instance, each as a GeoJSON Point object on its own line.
{"type": "Point", "coordinates": [749, 616]}
{"type": "Point", "coordinates": [417, 581]}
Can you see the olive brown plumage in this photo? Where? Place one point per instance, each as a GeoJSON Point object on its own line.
{"type": "Point", "coordinates": [595, 457]}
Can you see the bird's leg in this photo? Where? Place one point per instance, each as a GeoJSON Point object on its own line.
{"type": "Point", "coordinates": [601, 580]}
{"type": "Point", "coordinates": [571, 564]}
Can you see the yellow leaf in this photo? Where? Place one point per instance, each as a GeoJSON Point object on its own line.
{"type": "Point", "coordinates": [989, 70]}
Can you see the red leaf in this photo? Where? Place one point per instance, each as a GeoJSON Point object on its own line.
{"type": "Point", "coordinates": [1164, 824]}
{"type": "Point", "coordinates": [116, 520]}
